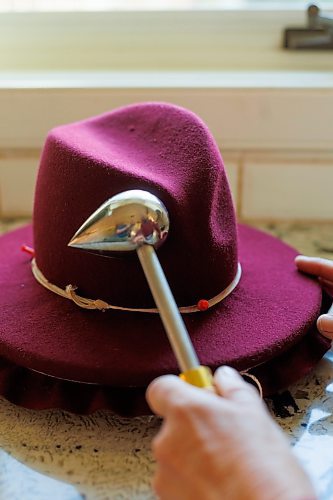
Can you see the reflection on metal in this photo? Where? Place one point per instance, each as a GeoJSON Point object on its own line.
{"type": "Point", "coordinates": [124, 223]}
{"type": "Point", "coordinates": [318, 35]}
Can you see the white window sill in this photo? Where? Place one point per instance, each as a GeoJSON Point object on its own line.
{"type": "Point", "coordinates": [166, 79]}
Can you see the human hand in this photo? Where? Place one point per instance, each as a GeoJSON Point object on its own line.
{"type": "Point", "coordinates": [323, 269]}
{"type": "Point", "coordinates": [212, 447]}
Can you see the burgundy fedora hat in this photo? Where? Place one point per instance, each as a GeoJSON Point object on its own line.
{"type": "Point", "coordinates": [262, 312]}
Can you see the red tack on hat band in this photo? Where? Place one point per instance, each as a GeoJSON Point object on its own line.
{"type": "Point", "coordinates": [85, 303]}
{"type": "Point", "coordinates": [203, 305]}
{"type": "Point", "coordinates": [27, 249]}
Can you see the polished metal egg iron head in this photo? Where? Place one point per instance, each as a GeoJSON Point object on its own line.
{"type": "Point", "coordinates": [137, 220]}
{"type": "Point", "coordinates": [123, 223]}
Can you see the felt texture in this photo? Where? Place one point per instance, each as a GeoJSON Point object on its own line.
{"type": "Point", "coordinates": [36, 391]}
{"type": "Point", "coordinates": [156, 147]}
{"type": "Point", "coordinates": [271, 310]}
{"type": "Point", "coordinates": [267, 323]}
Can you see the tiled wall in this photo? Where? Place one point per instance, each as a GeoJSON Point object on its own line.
{"type": "Point", "coordinates": [17, 182]}
{"type": "Point", "coordinates": [265, 185]}
{"type": "Point", "coordinates": [275, 132]}
{"type": "Point", "coordinates": [290, 186]}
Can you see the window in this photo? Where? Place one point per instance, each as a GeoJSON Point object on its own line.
{"type": "Point", "coordinates": [188, 35]}
{"type": "Point", "coordinates": [62, 61]}
{"type": "Point", "coordinates": [200, 53]}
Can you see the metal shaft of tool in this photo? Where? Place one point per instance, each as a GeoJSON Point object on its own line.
{"type": "Point", "coordinates": [170, 315]}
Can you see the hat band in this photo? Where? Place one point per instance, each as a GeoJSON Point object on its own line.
{"type": "Point", "coordinates": [69, 293]}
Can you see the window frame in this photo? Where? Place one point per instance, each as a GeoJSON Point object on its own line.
{"type": "Point", "coordinates": [206, 40]}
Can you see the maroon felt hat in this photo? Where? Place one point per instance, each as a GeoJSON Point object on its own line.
{"type": "Point", "coordinates": [57, 354]}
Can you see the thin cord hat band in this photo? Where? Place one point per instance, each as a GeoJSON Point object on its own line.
{"type": "Point", "coordinates": [70, 293]}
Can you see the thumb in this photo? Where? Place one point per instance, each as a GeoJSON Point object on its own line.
{"type": "Point", "coordinates": [230, 385]}
{"type": "Point", "coordinates": [169, 392]}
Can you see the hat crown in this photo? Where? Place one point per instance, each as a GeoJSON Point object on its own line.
{"type": "Point", "coordinates": [156, 147]}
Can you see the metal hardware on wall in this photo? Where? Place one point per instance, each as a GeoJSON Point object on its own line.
{"type": "Point", "coordinates": [318, 35]}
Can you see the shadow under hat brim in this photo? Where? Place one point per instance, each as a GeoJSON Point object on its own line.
{"type": "Point", "coordinates": [272, 311]}
{"type": "Point", "coordinates": [37, 391]}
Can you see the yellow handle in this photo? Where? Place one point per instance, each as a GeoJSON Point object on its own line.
{"type": "Point", "coordinates": [201, 376]}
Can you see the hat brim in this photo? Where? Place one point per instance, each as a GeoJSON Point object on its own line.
{"type": "Point", "coordinates": [36, 391]}
{"type": "Point", "coordinates": [273, 308]}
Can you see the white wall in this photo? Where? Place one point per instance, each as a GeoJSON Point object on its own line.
{"type": "Point", "coordinates": [275, 131]}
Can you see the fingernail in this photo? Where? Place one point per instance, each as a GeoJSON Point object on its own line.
{"type": "Point", "coordinates": [319, 324]}
{"type": "Point", "coordinates": [305, 258]}
{"type": "Point", "coordinates": [325, 323]}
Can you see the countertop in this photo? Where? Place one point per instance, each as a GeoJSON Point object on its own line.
{"type": "Point", "coordinates": [100, 457]}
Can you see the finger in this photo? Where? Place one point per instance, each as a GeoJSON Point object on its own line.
{"type": "Point", "coordinates": [169, 485]}
{"type": "Point", "coordinates": [230, 385]}
{"type": "Point", "coordinates": [316, 266]}
{"type": "Point", "coordinates": [325, 324]}
{"type": "Point", "coordinates": [167, 392]}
